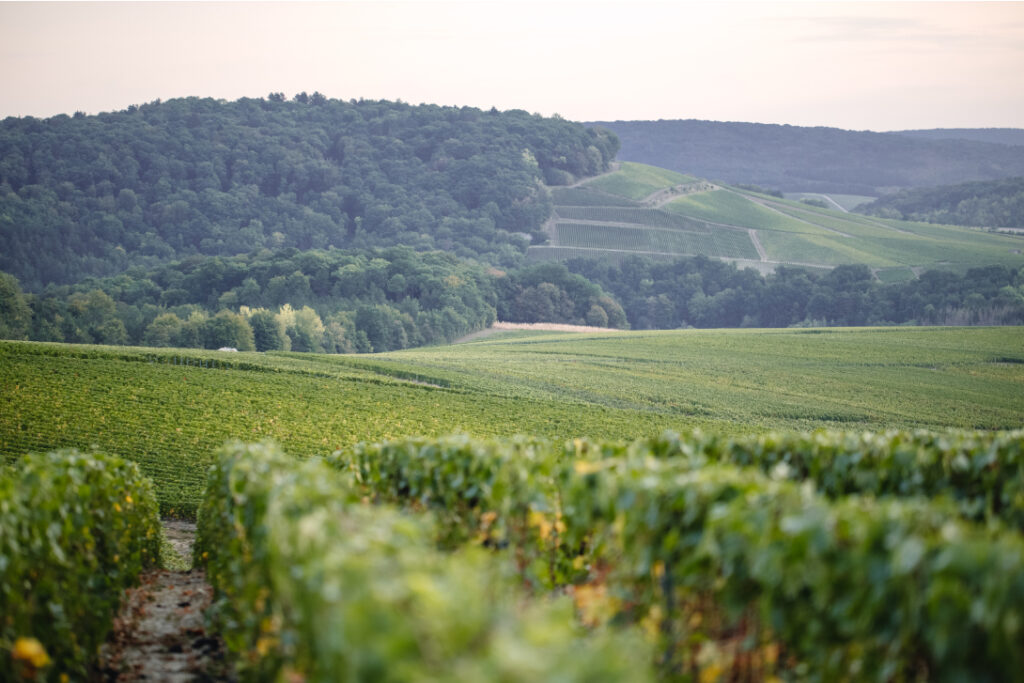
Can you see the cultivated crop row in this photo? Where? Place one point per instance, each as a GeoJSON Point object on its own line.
{"type": "Point", "coordinates": [171, 418]}
{"type": "Point", "coordinates": [653, 218]}
{"type": "Point", "coordinates": [713, 242]}
{"type": "Point", "coordinates": [75, 531]}
{"type": "Point", "coordinates": [734, 570]}
{"type": "Point", "coordinates": [582, 196]}
{"type": "Point", "coordinates": [314, 585]}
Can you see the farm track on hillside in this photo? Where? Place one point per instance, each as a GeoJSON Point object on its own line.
{"type": "Point", "coordinates": [773, 207]}
{"type": "Point", "coordinates": [757, 244]}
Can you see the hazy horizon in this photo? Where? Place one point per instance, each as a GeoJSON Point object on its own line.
{"type": "Point", "coordinates": [861, 66]}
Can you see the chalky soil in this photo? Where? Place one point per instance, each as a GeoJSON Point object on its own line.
{"type": "Point", "coordinates": [159, 634]}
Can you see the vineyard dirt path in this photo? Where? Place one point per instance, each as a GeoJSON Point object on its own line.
{"type": "Point", "coordinates": [499, 326]}
{"type": "Point", "coordinates": [159, 634]}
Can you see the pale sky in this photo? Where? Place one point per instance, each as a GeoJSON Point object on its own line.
{"type": "Point", "coordinates": [858, 65]}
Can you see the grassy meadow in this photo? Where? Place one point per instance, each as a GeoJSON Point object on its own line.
{"type": "Point", "coordinates": [169, 410]}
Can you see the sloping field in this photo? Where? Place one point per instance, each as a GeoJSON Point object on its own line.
{"type": "Point", "coordinates": [587, 196]}
{"type": "Point", "coordinates": [851, 238]}
{"type": "Point", "coordinates": [636, 181]}
{"type": "Point", "coordinates": [619, 213]}
{"type": "Point", "coordinates": [847, 202]}
{"type": "Point", "coordinates": [733, 208]}
{"type": "Point", "coordinates": [629, 211]}
{"type": "Point", "coordinates": [635, 216]}
{"type": "Point", "coordinates": [720, 242]}
{"type": "Point", "coordinates": [169, 410]}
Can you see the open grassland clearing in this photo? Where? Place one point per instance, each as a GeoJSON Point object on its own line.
{"type": "Point", "coordinates": [582, 220]}
{"type": "Point", "coordinates": [654, 218]}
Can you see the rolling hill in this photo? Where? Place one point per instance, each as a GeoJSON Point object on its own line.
{"type": "Point", "coordinates": [641, 210]}
{"type": "Point", "coordinates": [802, 159]}
{"type": "Point", "coordinates": [91, 196]}
{"type": "Point", "coordinates": [999, 136]}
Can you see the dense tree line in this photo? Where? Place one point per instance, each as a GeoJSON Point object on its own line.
{"type": "Point", "coordinates": [993, 203]}
{"type": "Point", "coordinates": [333, 301]}
{"type": "Point", "coordinates": [548, 292]}
{"type": "Point", "coordinates": [94, 195]}
{"type": "Point", "coordinates": [339, 302]}
{"type": "Point", "coordinates": [804, 159]}
{"type": "Point", "coordinates": [702, 292]}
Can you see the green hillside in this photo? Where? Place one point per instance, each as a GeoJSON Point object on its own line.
{"type": "Point", "coordinates": [85, 196]}
{"type": "Point", "coordinates": [170, 409]}
{"type": "Point", "coordinates": [636, 181]}
{"type": "Point", "coordinates": [818, 159]}
{"type": "Point", "coordinates": [642, 210]}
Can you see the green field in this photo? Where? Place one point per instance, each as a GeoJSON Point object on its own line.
{"type": "Point", "coordinates": [169, 417]}
{"type": "Point", "coordinates": [847, 201]}
{"type": "Point", "coordinates": [586, 196]}
{"type": "Point", "coordinates": [636, 181]}
{"type": "Point", "coordinates": [732, 208]}
{"type": "Point", "coordinates": [833, 238]}
{"type": "Point", "coordinates": [711, 242]}
{"type": "Point", "coordinates": [790, 232]}
{"type": "Point", "coordinates": [634, 217]}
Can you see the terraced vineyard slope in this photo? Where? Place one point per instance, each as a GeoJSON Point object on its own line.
{"type": "Point", "coordinates": [643, 210]}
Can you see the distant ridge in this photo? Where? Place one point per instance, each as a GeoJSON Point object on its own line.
{"type": "Point", "coordinates": [999, 136]}
{"type": "Point", "coordinates": [802, 159]}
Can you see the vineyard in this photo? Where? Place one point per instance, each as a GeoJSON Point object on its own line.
{"type": "Point", "coordinates": [637, 181]}
{"type": "Point", "coordinates": [887, 546]}
{"type": "Point", "coordinates": [615, 215]}
{"type": "Point", "coordinates": [586, 196]}
{"type": "Point", "coordinates": [652, 218]}
{"type": "Point", "coordinates": [733, 574]}
{"type": "Point", "coordinates": [657, 213]}
{"type": "Point", "coordinates": [715, 242]}
{"type": "Point", "coordinates": [170, 410]}
{"type": "Point", "coordinates": [75, 531]}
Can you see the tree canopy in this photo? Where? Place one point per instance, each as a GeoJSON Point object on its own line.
{"type": "Point", "coordinates": [994, 203]}
{"type": "Point", "coordinates": [93, 195]}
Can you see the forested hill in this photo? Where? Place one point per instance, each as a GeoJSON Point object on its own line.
{"type": "Point", "coordinates": [799, 159]}
{"type": "Point", "coordinates": [93, 195]}
{"type": "Point", "coordinates": [995, 203]}
{"type": "Point", "coordinates": [1000, 136]}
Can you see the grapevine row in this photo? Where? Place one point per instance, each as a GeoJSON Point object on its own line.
{"type": "Point", "coordinates": [314, 585]}
{"type": "Point", "coordinates": [776, 575]}
{"type": "Point", "coordinates": [981, 472]}
{"type": "Point", "coordinates": [75, 531]}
